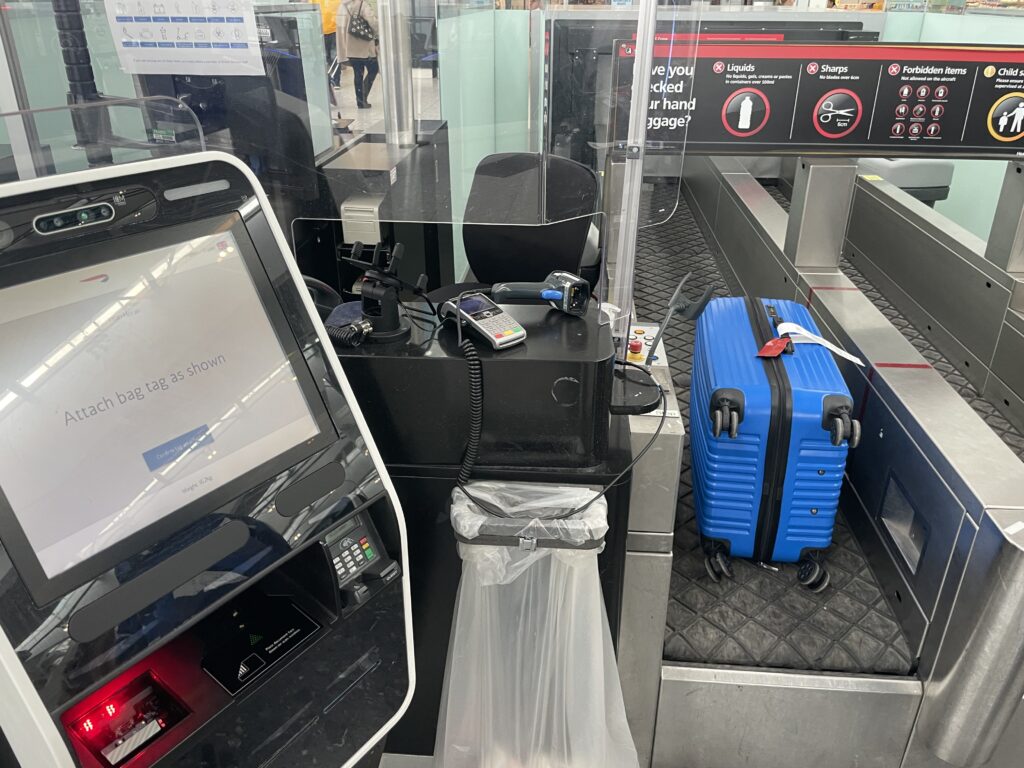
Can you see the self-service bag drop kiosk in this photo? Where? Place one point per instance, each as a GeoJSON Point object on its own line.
{"type": "Point", "coordinates": [203, 560]}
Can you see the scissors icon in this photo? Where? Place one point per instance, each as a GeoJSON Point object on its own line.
{"type": "Point", "coordinates": [828, 111]}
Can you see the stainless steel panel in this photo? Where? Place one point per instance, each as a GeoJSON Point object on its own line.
{"type": "Point", "coordinates": [978, 679]}
{"type": "Point", "coordinates": [716, 717]}
{"type": "Point", "coordinates": [997, 392]}
{"type": "Point", "coordinates": [974, 462]}
{"type": "Point", "coordinates": [704, 184]}
{"type": "Point", "coordinates": [1011, 747]}
{"type": "Point", "coordinates": [950, 282]}
{"type": "Point", "coordinates": [1005, 246]}
{"type": "Point", "coordinates": [658, 543]}
{"type": "Point", "coordinates": [654, 489]}
{"type": "Point", "coordinates": [749, 255]}
{"type": "Point", "coordinates": [787, 175]}
{"type": "Point", "coordinates": [614, 178]}
{"type": "Point", "coordinates": [1008, 362]}
{"type": "Point", "coordinates": [889, 462]}
{"type": "Point", "coordinates": [973, 367]}
{"type": "Point", "coordinates": [1014, 317]}
{"type": "Point", "coordinates": [396, 70]}
{"type": "Point", "coordinates": [770, 216]}
{"type": "Point", "coordinates": [862, 329]}
{"type": "Point", "coordinates": [820, 206]}
{"type": "Point", "coordinates": [1017, 292]}
{"type": "Point", "coordinates": [939, 226]}
{"type": "Point", "coordinates": [369, 156]}
{"type": "Point", "coordinates": [947, 597]}
{"type": "Point", "coordinates": [641, 638]}
{"type": "Point", "coordinates": [893, 584]}
{"type": "Point", "coordinates": [389, 760]}
{"type": "Point", "coordinates": [724, 164]}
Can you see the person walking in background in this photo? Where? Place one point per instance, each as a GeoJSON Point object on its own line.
{"type": "Point", "coordinates": [357, 44]}
{"type": "Point", "coordinates": [329, 16]}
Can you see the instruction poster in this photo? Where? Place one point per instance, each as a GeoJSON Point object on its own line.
{"type": "Point", "coordinates": [791, 98]}
{"type": "Point", "coordinates": [185, 37]}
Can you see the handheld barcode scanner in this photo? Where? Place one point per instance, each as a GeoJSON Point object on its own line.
{"type": "Point", "coordinates": [563, 290]}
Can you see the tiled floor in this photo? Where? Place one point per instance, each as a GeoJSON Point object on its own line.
{"type": "Point", "coordinates": [426, 97]}
{"type": "Point", "coordinates": [763, 618]}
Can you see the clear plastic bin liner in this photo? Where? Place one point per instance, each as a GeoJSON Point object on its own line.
{"type": "Point", "coordinates": [531, 680]}
{"type": "Point", "coordinates": [534, 511]}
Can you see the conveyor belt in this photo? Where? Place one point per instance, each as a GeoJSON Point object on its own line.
{"type": "Point", "coordinates": [762, 618]}
{"type": "Point", "coordinates": [981, 405]}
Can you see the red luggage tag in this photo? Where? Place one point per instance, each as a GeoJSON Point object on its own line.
{"type": "Point", "coordinates": [774, 348]}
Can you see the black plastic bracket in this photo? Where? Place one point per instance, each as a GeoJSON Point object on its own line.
{"type": "Point", "coordinates": [835, 406]}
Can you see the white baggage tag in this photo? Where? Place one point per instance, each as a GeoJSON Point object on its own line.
{"type": "Point", "coordinates": [800, 335]}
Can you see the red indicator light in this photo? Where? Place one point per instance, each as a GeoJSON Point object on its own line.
{"type": "Point", "coordinates": [88, 727]}
{"type": "Point", "coordinates": [111, 710]}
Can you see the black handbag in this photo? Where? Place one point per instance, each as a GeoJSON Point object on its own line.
{"type": "Point", "coordinates": [359, 27]}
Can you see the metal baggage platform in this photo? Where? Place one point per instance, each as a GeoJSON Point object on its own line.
{"type": "Point", "coordinates": [763, 618]}
{"type": "Point", "coordinates": [986, 409]}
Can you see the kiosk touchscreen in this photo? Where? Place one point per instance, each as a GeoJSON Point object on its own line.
{"type": "Point", "coordinates": [202, 561]}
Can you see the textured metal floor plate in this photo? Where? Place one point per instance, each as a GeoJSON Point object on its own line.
{"type": "Point", "coordinates": [762, 618]}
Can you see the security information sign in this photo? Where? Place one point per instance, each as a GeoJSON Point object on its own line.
{"type": "Point", "coordinates": [865, 99]}
{"type": "Point", "coordinates": [186, 37]}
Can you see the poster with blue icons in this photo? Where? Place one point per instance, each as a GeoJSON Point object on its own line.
{"type": "Point", "coordinates": [185, 37]}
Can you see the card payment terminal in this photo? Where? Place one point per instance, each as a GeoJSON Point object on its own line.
{"type": "Point", "coordinates": [486, 318]}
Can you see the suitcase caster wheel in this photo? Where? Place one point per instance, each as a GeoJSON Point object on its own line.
{"type": "Point", "coordinates": [823, 583]}
{"type": "Point", "coordinates": [725, 419]}
{"type": "Point", "coordinates": [709, 566]}
{"type": "Point", "coordinates": [722, 560]}
{"type": "Point", "coordinates": [838, 432]}
{"type": "Point", "coordinates": [808, 573]}
{"type": "Point", "coordinates": [813, 576]}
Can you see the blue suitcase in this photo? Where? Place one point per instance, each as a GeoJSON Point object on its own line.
{"type": "Point", "coordinates": [769, 438]}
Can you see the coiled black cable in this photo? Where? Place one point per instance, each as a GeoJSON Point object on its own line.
{"type": "Point", "coordinates": [349, 335]}
{"type": "Point", "coordinates": [476, 410]}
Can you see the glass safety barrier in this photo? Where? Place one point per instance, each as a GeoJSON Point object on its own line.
{"type": "Point", "coordinates": [47, 142]}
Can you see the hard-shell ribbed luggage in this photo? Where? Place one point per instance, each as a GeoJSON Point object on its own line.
{"type": "Point", "coordinates": [769, 438]}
